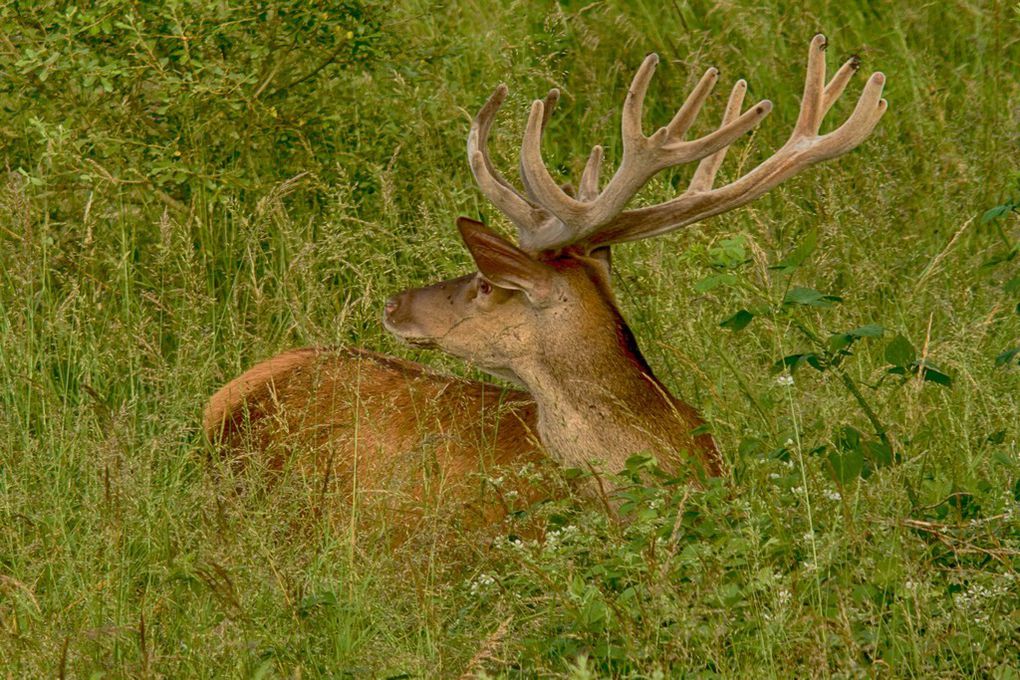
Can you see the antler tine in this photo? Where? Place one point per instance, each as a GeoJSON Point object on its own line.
{"type": "Point", "coordinates": [548, 105]}
{"type": "Point", "coordinates": [685, 116]}
{"type": "Point", "coordinates": [524, 215]}
{"type": "Point", "coordinates": [704, 176]}
{"type": "Point", "coordinates": [869, 110]}
{"type": "Point", "coordinates": [642, 157]}
{"type": "Point", "coordinates": [589, 187]}
{"type": "Point", "coordinates": [633, 105]}
{"type": "Point", "coordinates": [839, 82]}
{"type": "Point", "coordinates": [810, 118]}
{"type": "Point", "coordinates": [804, 148]}
{"type": "Point", "coordinates": [579, 214]}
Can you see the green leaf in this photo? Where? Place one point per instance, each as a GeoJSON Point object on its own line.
{"type": "Point", "coordinates": [994, 213]}
{"type": "Point", "coordinates": [1012, 286]}
{"type": "Point", "coordinates": [845, 466]}
{"type": "Point", "coordinates": [730, 252]}
{"type": "Point", "coordinates": [931, 373]}
{"type": "Point", "coordinates": [879, 453]}
{"type": "Point", "coordinates": [809, 297]}
{"type": "Point", "coordinates": [799, 254]}
{"type": "Point", "coordinates": [574, 473]}
{"type": "Point", "coordinates": [849, 439]}
{"type": "Point", "coordinates": [704, 428]}
{"type": "Point", "coordinates": [749, 446]}
{"type": "Point", "coordinates": [738, 321]}
{"type": "Point", "coordinates": [794, 361]}
{"type": "Point", "coordinates": [1007, 357]}
{"type": "Point", "coordinates": [999, 257]}
{"type": "Point", "coordinates": [714, 281]}
{"type": "Point", "coordinates": [899, 352]}
{"type": "Point", "coordinates": [840, 341]}
{"type": "Point", "coordinates": [996, 437]}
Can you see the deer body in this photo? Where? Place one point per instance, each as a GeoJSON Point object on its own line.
{"type": "Point", "coordinates": [540, 313]}
{"type": "Point", "coordinates": [388, 429]}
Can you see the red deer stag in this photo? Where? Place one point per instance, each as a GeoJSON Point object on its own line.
{"type": "Point", "coordinates": [540, 314]}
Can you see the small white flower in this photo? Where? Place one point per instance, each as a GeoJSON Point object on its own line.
{"type": "Point", "coordinates": [788, 443]}
{"type": "Point", "coordinates": [833, 495]}
{"type": "Point", "coordinates": [808, 536]}
{"type": "Point", "coordinates": [784, 379]}
{"type": "Point", "coordinates": [774, 475]}
{"type": "Point", "coordinates": [481, 583]}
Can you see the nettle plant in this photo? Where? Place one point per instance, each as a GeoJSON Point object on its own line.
{"type": "Point", "coordinates": [853, 453]}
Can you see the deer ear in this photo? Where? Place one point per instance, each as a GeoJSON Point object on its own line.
{"type": "Point", "coordinates": [504, 264]}
{"type": "Point", "coordinates": [604, 258]}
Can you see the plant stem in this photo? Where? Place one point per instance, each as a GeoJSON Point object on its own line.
{"type": "Point", "coordinates": [850, 384]}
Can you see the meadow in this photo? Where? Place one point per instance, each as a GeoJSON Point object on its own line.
{"type": "Point", "coordinates": [192, 186]}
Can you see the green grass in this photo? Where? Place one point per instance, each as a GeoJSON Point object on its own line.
{"type": "Point", "coordinates": [157, 238]}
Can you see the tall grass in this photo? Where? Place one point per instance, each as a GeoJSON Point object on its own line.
{"type": "Point", "coordinates": [190, 188]}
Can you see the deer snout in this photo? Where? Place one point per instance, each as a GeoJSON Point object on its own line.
{"type": "Point", "coordinates": [393, 304]}
{"type": "Point", "coordinates": [398, 314]}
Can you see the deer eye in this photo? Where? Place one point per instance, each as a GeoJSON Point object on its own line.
{"type": "Point", "coordinates": [484, 287]}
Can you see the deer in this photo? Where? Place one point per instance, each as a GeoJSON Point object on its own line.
{"type": "Point", "coordinates": [539, 314]}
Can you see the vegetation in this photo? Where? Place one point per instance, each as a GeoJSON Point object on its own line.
{"type": "Point", "coordinates": [191, 186]}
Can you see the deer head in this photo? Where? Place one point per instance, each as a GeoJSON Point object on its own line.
{"type": "Point", "coordinates": [494, 316]}
{"type": "Point", "coordinates": [541, 312]}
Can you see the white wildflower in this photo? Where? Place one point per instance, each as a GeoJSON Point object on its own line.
{"type": "Point", "coordinates": [832, 495]}
{"type": "Point", "coordinates": [784, 379]}
{"type": "Point", "coordinates": [481, 583]}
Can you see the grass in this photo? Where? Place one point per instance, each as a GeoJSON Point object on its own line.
{"type": "Point", "coordinates": [158, 236]}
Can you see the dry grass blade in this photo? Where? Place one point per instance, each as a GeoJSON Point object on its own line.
{"type": "Point", "coordinates": [487, 650]}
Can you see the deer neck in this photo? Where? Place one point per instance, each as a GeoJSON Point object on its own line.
{"type": "Point", "coordinates": [600, 404]}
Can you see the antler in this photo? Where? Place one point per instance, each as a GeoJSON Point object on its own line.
{"type": "Point", "coordinates": [529, 218]}
{"type": "Point", "coordinates": [550, 219]}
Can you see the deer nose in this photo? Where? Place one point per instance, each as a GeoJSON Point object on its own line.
{"type": "Point", "coordinates": [392, 305]}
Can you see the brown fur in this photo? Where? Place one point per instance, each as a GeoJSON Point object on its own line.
{"type": "Point", "coordinates": [388, 430]}
{"type": "Point", "coordinates": [402, 437]}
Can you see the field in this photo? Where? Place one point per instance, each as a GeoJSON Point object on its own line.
{"type": "Point", "coordinates": [191, 186]}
